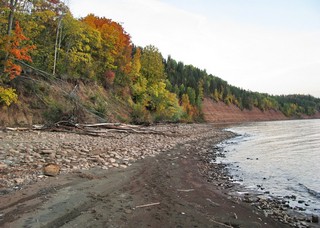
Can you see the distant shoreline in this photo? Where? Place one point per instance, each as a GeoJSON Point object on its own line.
{"type": "Point", "coordinates": [220, 113]}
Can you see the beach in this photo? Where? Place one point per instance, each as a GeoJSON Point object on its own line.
{"type": "Point", "coordinates": [125, 180]}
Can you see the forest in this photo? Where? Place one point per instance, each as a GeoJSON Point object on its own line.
{"type": "Point", "coordinates": [40, 39]}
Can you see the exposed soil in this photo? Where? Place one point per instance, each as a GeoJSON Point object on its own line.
{"type": "Point", "coordinates": [168, 190]}
{"type": "Point", "coordinates": [220, 112]}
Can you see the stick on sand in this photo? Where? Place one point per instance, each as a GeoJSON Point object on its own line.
{"type": "Point", "coordinates": [148, 205]}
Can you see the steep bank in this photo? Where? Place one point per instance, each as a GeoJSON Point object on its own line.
{"type": "Point", "coordinates": [47, 101]}
{"type": "Point", "coordinates": [50, 101]}
{"type": "Point", "coordinates": [220, 112]}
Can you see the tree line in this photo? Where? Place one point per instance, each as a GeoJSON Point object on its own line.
{"type": "Point", "coordinates": [43, 36]}
{"type": "Point", "coordinates": [197, 83]}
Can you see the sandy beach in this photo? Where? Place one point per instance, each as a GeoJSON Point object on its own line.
{"type": "Point", "coordinates": [138, 181]}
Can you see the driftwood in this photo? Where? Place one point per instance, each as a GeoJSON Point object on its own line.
{"type": "Point", "coordinates": [235, 216]}
{"type": "Point", "coordinates": [148, 205]}
{"type": "Point", "coordinates": [97, 129]}
{"type": "Point", "coordinates": [185, 190]}
{"type": "Point", "coordinates": [17, 129]}
{"type": "Point", "coordinates": [213, 203]}
{"type": "Point", "coordinates": [102, 128]}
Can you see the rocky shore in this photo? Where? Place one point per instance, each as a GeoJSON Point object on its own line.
{"type": "Point", "coordinates": [183, 151]}
{"type": "Point", "coordinates": [24, 154]}
{"type": "Point", "coordinates": [275, 208]}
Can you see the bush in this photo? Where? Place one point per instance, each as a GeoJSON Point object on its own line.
{"type": "Point", "coordinates": [57, 111]}
{"type": "Point", "coordinates": [140, 115]}
{"type": "Point", "coordinates": [8, 96]}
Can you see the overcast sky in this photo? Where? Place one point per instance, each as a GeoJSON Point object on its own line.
{"type": "Point", "coordinates": [270, 46]}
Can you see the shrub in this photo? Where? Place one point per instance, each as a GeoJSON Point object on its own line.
{"type": "Point", "coordinates": [57, 111]}
{"type": "Point", "coordinates": [8, 96]}
{"type": "Point", "coordinates": [140, 114]}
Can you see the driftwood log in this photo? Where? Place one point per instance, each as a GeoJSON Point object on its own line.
{"type": "Point", "coordinates": [95, 129]}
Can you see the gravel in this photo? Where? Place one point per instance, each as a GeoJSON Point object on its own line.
{"type": "Point", "coordinates": [23, 154]}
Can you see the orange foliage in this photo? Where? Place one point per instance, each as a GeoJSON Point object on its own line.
{"type": "Point", "coordinates": [54, 1]}
{"type": "Point", "coordinates": [17, 51]}
{"type": "Point", "coordinates": [109, 75]}
{"type": "Point", "coordinates": [187, 107]}
{"type": "Point", "coordinates": [117, 41]}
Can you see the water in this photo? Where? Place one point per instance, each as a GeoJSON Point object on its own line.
{"type": "Point", "coordinates": [279, 158]}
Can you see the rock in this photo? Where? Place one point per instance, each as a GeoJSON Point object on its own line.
{"type": "Point", "coordinates": [51, 169]}
{"type": "Point", "coordinates": [29, 159]}
{"type": "Point", "coordinates": [13, 151]}
{"type": "Point", "coordinates": [36, 155]}
{"type": "Point", "coordinates": [117, 156]}
{"type": "Point", "coordinates": [18, 180]}
{"type": "Point", "coordinates": [315, 219]}
{"type": "Point", "coordinates": [112, 160]}
{"type": "Point", "coordinates": [52, 155]}
{"type": "Point", "coordinates": [115, 165]}
{"type": "Point", "coordinates": [3, 166]}
{"type": "Point", "coordinates": [85, 150]}
{"type": "Point", "coordinates": [47, 151]}
{"type": "Point", "coordinates": [65, 160]}
{"type": "Point", "coordinates": [303, 224]}
{"type": "Point", "coordinates": [128, 211]}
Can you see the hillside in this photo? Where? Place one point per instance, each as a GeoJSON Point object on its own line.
{"type": "Point", "coordinates": [50, 101]}
{"type": "Point", "coordinates": [220, 112]}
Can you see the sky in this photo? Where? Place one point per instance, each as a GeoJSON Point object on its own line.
{"type": "Point", "coordinates": [269, 46]}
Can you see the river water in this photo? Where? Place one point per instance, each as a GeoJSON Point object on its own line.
{"type": "Point", "coordinates": [279, 158]}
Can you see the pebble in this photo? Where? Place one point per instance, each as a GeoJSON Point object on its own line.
{"type": "Point", "coordinates": [47, 151]}
{"type": "Point", "coordinates": [115, 165]}
{"type": "Point", "coordinates": [18, 180]}
{"type": "Point", "coordinates": [315, 219]}
{"type": "Point", "coordinates": [3, 166]}
{"type": "Point", "coordinates": [128, 211]}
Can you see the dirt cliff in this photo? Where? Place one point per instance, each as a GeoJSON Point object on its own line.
{"type": "Point", "coordinates": [220, 112]}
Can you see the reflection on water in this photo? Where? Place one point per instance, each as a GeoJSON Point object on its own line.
{"type": "Point", "coordinates": [281, 157]}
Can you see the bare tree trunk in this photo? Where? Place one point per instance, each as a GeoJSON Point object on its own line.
{"type": "Point", "coordinates": [13, 4]}
{"type": "Point", "coordinates": [57, 44]}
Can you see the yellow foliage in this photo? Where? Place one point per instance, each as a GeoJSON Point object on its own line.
{"type": "Point", "coordinates": [8, 96]}
{"type": "Point", "coordinates": [188, 108]}
{"type": "Point", "coordinates": [216, 95]}
{"type": "Point", "coordinates": [185, 103]}
{"type": "Point", "coordinates": [139, 91]}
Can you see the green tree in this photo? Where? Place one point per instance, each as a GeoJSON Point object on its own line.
{"type": "Point", "coordinates": [152, 67]}
{"type": "Point", "coordinates": [191, 95]}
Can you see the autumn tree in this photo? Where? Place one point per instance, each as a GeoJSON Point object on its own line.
{"type": "Point", "coordinates": [17, 52]}
{"type": "Point", "coordinates": [80, 45]}
{"type": "Point", "coordinates": [136, 65]}
{"type": "Point", "coordinates": [152, 65]}
{"type": "Point", "coordinates": [116, 48]}
{"type": "Point", "coordinates": [161, 102]}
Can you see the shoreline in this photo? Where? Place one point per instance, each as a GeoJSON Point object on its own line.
{"type": "Point", "coordinates": [189, 184]}
{"type": "Point", "coordinates": [277, 207]}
